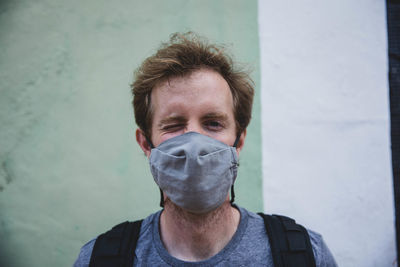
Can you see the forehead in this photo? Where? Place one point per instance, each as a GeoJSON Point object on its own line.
{"type": "Point", "coordinates": [200, 89]}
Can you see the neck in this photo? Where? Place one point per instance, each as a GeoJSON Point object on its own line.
{"type": "Point", "coordinates": [195, 237]}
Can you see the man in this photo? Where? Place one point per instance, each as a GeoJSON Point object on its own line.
{"type": "Point", "coordinates": [192, 108]}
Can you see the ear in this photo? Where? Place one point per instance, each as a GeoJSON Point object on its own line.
{"type": "Point", "coordinates": [142, 141]}
{"type": "Point", "coordinates": [240, 144]}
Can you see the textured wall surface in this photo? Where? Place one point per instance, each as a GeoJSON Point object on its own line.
{"type": "Point", "coordinates": [326, 147]}
{"type": "Point", "coordinates": [69, 165]}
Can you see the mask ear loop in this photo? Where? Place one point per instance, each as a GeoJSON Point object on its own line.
{"type": "Point", "coordinates": [232, 195]}
{"type": "Point", "coordinates": [149, 142]}
{"type": "Point", "coordinates": [161, 198]}
{"type": "Point", "coordinates": [232, 189]}
{"type": "Point", "coordinates": [237, 140]}
{"type": "Point", "coordinates": [161, 192]}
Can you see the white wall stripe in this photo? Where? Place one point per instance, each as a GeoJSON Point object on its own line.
{"type": "Point", "coordinates": [325, 127]}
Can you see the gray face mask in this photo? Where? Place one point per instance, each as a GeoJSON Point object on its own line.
{"type": "Point", "coordinates": [194, 170]}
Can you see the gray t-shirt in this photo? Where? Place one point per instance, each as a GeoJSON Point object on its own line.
{"type": "Point", "coordinates": [248, 247]}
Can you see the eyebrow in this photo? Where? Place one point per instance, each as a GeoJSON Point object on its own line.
{"type": "Point", "coordinates": [215, 115]}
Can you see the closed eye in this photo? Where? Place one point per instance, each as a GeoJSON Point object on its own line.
{"type": "Point", "coordinates": [172, 127]}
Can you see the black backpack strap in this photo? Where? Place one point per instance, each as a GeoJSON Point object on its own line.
{"type": "Point", "coordinates": [290, 242]}
{"type": "Point", "coordinates": [117, 246]}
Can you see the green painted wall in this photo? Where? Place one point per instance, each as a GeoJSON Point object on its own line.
{"type": "Point", "coordinates": [69, 164]}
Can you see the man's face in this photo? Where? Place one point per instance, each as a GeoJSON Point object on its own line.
{"type": "Point", "coordinates": [200, 102]}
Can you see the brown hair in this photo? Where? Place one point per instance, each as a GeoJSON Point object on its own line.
{"type": "Point", "coordinates": [182, 55]}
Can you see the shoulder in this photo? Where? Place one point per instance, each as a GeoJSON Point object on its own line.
{"type": "Point", "coordinates": [322, 254]}
{"type": "Point", "coordinates": [85, 253]}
